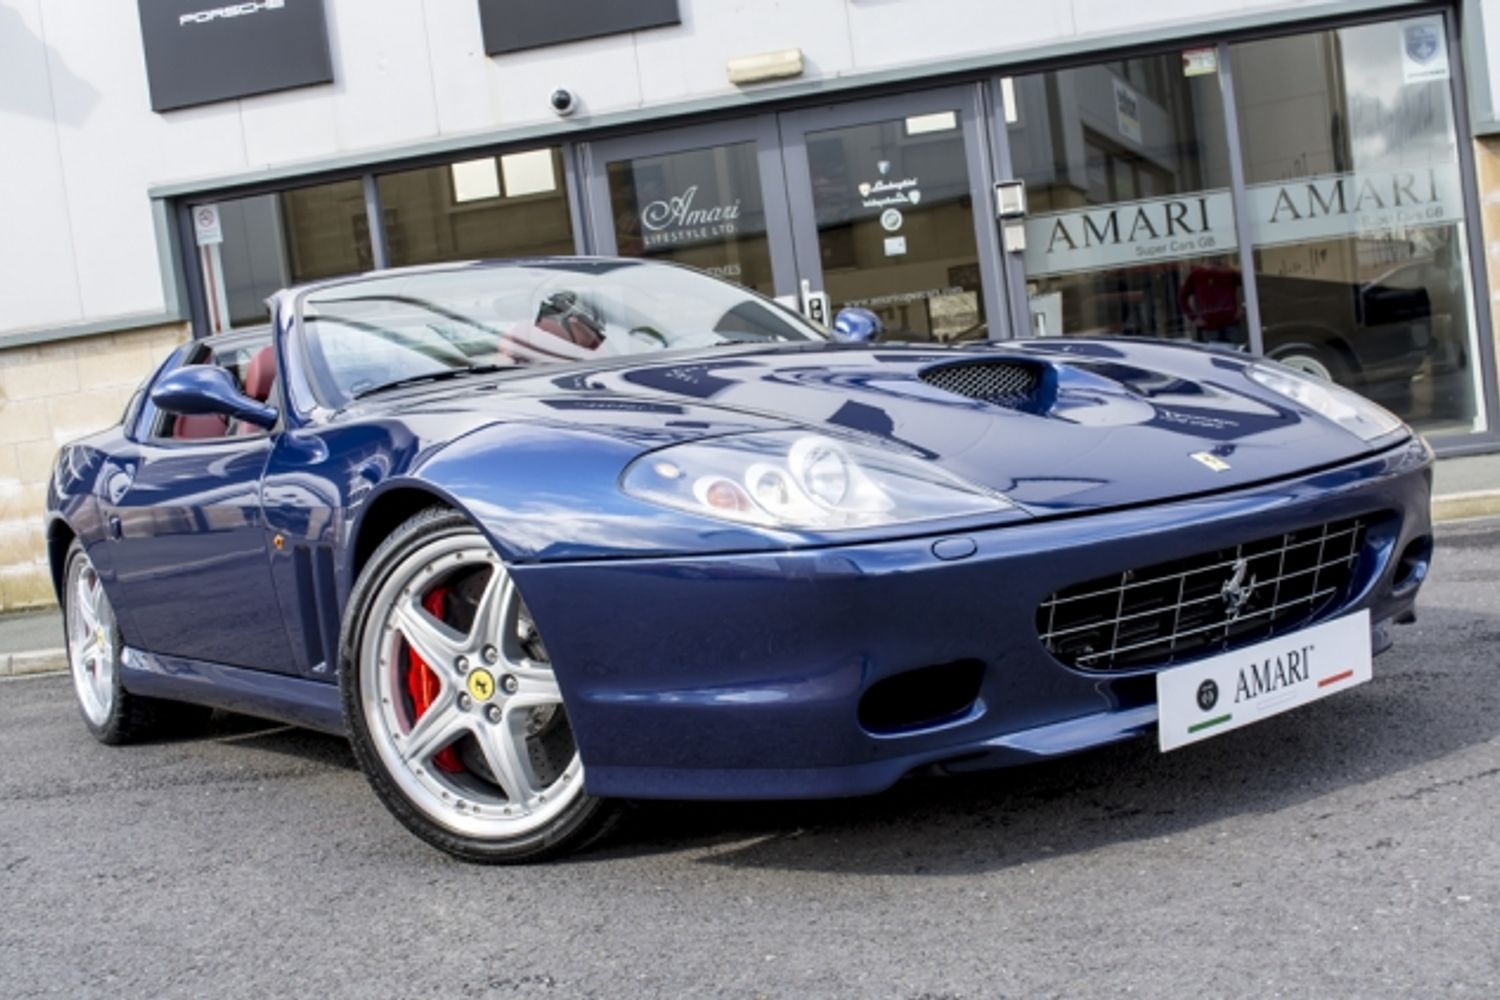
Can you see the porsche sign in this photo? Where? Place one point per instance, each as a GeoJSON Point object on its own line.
{"type": "Point", "coordinates": [199, 52]}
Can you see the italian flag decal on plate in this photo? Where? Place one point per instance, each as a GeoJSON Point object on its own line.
{"type": "Point", "coordinates": [1225, 692]}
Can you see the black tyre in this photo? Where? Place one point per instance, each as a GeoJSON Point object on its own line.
{"type": "Point", "coordinates": [94, 645]}
{"type": "Point", "coordinates": [1319, 360]}
{"type": "Point", "coordinates": [454, 713]}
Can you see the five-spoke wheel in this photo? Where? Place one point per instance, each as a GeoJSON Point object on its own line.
{"type": "Point", "coordinates": [95, 645]}
{"type": "Point", "coordinates": [90, 623]}
{"type": "Point", "coordinates": [454, 710]}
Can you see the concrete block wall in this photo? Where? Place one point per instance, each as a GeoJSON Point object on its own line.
{"type": "Point", "coordinates": [51, 394]}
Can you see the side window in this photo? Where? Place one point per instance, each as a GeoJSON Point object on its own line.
{"type": "Point", "coordinates": [251, 364]}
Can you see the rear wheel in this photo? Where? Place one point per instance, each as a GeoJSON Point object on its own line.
{"type": "Point", "coordinates": [1323, 362]}
{"type": "Point", "coordinates": [112, 714]}
{"type": "Point", "coordinates": [454, 712]}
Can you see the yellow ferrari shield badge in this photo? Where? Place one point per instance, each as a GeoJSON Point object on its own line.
{"type": "Point", "coordinates": [481, 685]}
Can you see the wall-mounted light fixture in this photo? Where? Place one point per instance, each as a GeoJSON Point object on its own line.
{"type": "Point", "coordinates": [766, 66]}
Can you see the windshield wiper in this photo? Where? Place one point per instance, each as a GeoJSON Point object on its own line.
{"type": "Point", "coordinates": [437, 376]}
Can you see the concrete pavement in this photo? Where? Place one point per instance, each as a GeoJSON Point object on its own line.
{"type": "Point", "coordinates": [31, 642]}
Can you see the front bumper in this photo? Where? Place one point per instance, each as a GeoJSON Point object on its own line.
{"type": "Point", "coordinates": [740, 676]}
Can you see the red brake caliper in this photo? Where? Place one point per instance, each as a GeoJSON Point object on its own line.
{"type": "Point", "coordinates": [422, 684]}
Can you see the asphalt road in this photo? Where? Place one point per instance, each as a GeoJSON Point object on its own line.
{"type": "Point", "coordinates": [1350, 848]}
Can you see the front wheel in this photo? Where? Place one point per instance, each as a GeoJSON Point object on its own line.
{"type": "Point", "coordinates": [453, 709]}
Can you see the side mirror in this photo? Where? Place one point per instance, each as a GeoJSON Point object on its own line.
{"type": "Point", "coordinates": [198, 389]}
{"type": "Point", "coordinates": [857, 325]}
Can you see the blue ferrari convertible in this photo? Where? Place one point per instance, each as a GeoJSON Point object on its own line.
{"type": "Point", "coordinates": [540, 536]}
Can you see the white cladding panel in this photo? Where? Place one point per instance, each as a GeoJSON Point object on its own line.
{"type": "Point", "coordinates": [689, 61]}
{"type": "Point", "coordinates": [78, 243]}
{"type": "Point", "coordinates": [38, 272]}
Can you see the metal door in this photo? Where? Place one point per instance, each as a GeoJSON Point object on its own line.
{"type": "Point", "coordinates": [892, 211]}
{"type": "Point", "coordinates": [713, 196]}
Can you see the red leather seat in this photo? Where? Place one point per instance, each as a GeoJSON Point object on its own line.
{"type": "Point", "coordinates": [260, 377]}
{"type": "Point", "coordinates": [200, 425]}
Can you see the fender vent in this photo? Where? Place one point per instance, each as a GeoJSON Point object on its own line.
{"type": "Point", "coordinates": [1004, 383]}
{"type": "Point", "coordinates": [318, 590]}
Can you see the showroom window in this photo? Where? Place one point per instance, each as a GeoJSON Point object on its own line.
{"type": "Point", "coordinates": [265, 242]}
{"type": "Point", "coordinates": [510, 205]}
{"type": "Point", "coordinates": [1131, 228]}
{"type": "Point", "coordinates": [1355, 195]}
{"type": "Point", "coordinates": [1350, 192]}
{"type": "Point", "coordinates": [699, 207]}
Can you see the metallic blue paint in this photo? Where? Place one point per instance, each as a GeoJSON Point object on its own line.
{"type": "Point", "coordinates": [700, 658]}
{"type": "Point", "coordinates": [287, 699]}
{"type": "Point", "coordinates": [197, 389]}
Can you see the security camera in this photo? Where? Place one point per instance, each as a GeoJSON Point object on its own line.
{"type": "Point", "coordinates": [564, 102]}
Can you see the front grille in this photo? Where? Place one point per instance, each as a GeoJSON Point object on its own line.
{"type": "Point", "coordinates": [1004, 382]}
{"type": "Point", "coordinates": [1203, 604]}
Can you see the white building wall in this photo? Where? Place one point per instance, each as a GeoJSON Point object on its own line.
{"type": "Point", "coordinates": [80, 146]}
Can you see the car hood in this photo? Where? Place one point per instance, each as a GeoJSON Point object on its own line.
{"type": "Point", "coordinates": [1095, 423]}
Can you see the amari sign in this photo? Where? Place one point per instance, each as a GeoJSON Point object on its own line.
{"type": "Point", "coordinates": [199, 51]}
{"type": "Point", "coordinates": [684, 219]}
{"type": "Point", "coordinates": [1328, 206]}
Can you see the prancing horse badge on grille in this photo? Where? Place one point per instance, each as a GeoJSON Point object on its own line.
{"type": "Point", "coordinates": [1236, 591]}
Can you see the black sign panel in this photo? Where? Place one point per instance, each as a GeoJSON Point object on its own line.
{"type": "Point", "coordinates": [513, 25]}
{"type": "Point", "coordinates": [200, 51]}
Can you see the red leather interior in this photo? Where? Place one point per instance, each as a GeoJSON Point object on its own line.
{"type": "Point", "coordinates": [202, 425]}
{"type": "Point", "coordinates": [261, 374]}
{"type": "Point", "coordinates": [574, 329]}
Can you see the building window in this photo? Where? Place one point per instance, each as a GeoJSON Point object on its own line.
{"type": "Point", "coordinates": [699, 207]}
{"type": "Point", "coordinates": [1132, 225]}
{"type": "Point", "coordinates": [510, 205]}
{"type": "Point", "coordinates": [1358, 223]}
{"type": "Point", "coordinates": [270, 241]}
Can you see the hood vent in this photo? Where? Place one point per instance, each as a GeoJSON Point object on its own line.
{"type": "Point", "coordinates": [1004, 383]}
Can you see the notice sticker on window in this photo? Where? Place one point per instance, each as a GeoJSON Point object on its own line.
{"type": "Point", "coordinates": [206, 225]}
{"type": "Point", "coordinates": [1424, 49]}
{"type": "Point", "coordinates": [1127, 111]}
{"type": "Point", "coordinates": [1200, 62]}
{"type": "Point", "coordinates": [895, 246]}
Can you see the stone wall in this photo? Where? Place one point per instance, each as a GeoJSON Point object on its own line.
{"type": "Point", "coordinates": [49, 395]}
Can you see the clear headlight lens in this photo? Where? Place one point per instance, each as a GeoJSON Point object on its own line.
{"type": "Point", "coordinates": [784, 479]}
{"type": "Point", "coordinates": [1349, 410]}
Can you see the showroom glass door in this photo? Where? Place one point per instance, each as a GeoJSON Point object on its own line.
{"type": "Point", "coordinates": [890, 202]}
{"type": "Point", "coordinates": [1131, 220]}
{"type": "Point", "coordinates": [711, 196]}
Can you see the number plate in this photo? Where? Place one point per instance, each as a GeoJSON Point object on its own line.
{"type": "Point", "coordinates": [1225, 692]}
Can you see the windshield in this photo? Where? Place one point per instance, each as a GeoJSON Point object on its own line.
{"type": "Point", "coordinates": [372, 333]}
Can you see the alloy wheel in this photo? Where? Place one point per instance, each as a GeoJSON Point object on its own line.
{"type": "Point", "coordinates": [90, 622]}
{"type": "Point", "coordinates": [459, 695]}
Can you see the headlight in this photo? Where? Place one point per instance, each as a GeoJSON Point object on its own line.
{"type": "Point", "coordinates": [805, 481]}
{"type": "Point", "coordinates": [1349, 410]}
